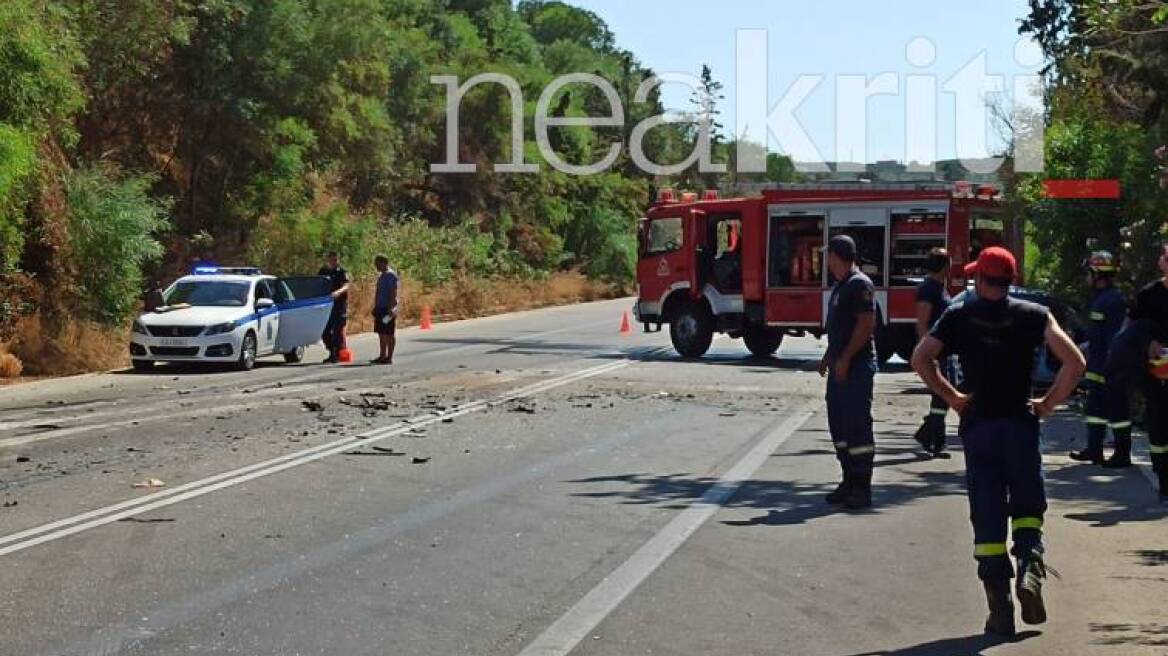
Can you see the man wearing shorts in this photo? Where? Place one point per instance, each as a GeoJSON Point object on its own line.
{"type": "Point", "coordinates": [385, 309]}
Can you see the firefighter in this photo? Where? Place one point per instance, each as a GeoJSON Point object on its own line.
{"type": "Point", "coordinates": [995, 337]}
{"type": "Point", "coordinates": [1106, 399]}
{"type": "Point", "coordinates": [932, 301]}
{"type": "Point", "coordinates": [850, 367]}
{"type": "Point", "coordinates": [1151, 306]}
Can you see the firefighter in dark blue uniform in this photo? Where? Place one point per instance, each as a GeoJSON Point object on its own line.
{"type": "Point", "coordinates": [1151, 308]}
{"type": "Point", "coordinates": [1106, 399]}
{"type": "Point", "coordinates": [932, 301]}
{"type": "Point", "coordinates": [850, 367]}
{"type": "Point", "coordinates": [996, 337]}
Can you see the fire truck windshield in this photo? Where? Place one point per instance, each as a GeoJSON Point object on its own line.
{"type": "Point", "coordinates": [664, 235]}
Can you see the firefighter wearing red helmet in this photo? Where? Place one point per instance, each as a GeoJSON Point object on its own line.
{"type": "Point", "coordinates": [995, 338]}
{"type": "Point", "coordinates": [1107, 405]}
{"type": "Point", "coordinates": [1151, 306]}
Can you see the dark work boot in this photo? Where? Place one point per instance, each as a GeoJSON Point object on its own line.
{"type": "Point", "coordinates": [1088, 455]}
{"type": "Point", "coordinates": [841, 491]}
{"type": "Point", "coordinates": [1094, 451]}
{"type": "Point", "coordinates": [1122, 456]}
{"type": "Point", "coordinates": [924, 437]}
{"type": "Point", "coordinates": [859, 494]}
{"type": "Point", "coordinates": [1031, 576]}
{"type": "Point", "coordinates": [1001, 619]}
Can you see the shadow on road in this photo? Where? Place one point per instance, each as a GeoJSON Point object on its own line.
{"type": "Point", "coordinates": [972, 645]}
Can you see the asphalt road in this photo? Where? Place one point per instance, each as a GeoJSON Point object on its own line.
{"type": "Point", "coordinates": [535, 483]}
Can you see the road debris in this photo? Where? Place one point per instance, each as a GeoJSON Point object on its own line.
{"type": "Point", "coordinates": [150, 482]}
{"type": "Point", "coordinates": [311, 405]}
{"type": "Point", "coordinates": [23, 459]}
{"type": "Point", "coordinates": [139, 520]}
{"type": "Point", "coordinates": [421, 460]}
{"type": "Point", "coordinates": [10, 504]}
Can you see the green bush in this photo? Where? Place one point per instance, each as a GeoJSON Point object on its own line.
{"type": "Point", "coordinates": [112, 226]}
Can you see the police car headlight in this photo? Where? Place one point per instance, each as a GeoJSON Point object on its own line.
{"type": "Point", "coordinates": [139, 328]}
{"type": "Point", "coordinates": [219, 328]}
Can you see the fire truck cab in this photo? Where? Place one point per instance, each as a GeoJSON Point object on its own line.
{"type": "Point", "coordinates": [754, 268]}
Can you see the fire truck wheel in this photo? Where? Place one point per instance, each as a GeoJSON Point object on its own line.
{"type": "Point", "coordinates": [762, 341]}
{"type": "Point", "coordinates": [692, 330]}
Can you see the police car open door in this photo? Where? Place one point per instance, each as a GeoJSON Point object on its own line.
{"type": "Point", "coordinates": [305, 304]}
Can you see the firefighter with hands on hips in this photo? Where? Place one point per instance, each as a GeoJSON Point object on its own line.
{"type": "Point", "coordinates": [1151, 306]}
{"type": "Point", "coordinates": [932, 301]}
{"type": "Point", "coordinates": [1106, 399]}
{"type": "Point", "coordinates": [995, 338]}
{"type": "Point", "coordinates": [850, 366]}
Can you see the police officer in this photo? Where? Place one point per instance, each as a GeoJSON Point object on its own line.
{"type": "Point", "coordinates": [995, 337]}
{"type": "Point", "coordinates": [850, 366]}
{"type": "Point", "coordinates": [932, 301]}
{"type": "Point", "coordinates": [1152, 306]}
{"type": "Point", "coordinates": [334, 331]}
{"type": "Point", "coordinates": [1106, 399]}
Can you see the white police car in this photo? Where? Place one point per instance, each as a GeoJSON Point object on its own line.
{"type": "Point", "coordinates": [232, 315]}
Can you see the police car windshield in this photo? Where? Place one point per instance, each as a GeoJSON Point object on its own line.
{"type": "Point", "coordinates": [210, 293]}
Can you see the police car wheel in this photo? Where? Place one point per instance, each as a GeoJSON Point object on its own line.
{"type": "Point", "coordinates": [692, 330]}
{"type": "Point", "coordinates": [762, 341]}
{"type": "Point", "coordinates": [247, 353]}
{"type": "Point", "coordinates": [294, 356]}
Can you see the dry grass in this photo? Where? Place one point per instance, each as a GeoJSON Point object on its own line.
{"type": "Point", "coordinates": [10, 365]}
{"type": "Point", "coordinates": [466, 297]}
{"type": "Point", "coordinates": [82, 347]}
{"type": "Point", "coordinates": [78, 347]}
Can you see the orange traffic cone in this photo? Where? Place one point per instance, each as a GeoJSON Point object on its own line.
{"type": "Point", "coordinates": [626, 327]}
{"type": "Point", "coordinates": [427, 323]}
{"type": "Point", "coordinates": [345, 356]}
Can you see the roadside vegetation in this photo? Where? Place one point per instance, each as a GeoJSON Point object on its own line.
{"type": "Point", "coordinates": [1107, 92]}
{"type": "Point", "coordinates": [137, 136]}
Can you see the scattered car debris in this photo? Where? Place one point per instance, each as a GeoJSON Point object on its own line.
{"type": "Point", "coordinates": [10, 504]}
{"type": "Point", "coordinates": [421, 460]}
{"type": "Point", "coordinates": [139, 520]}
{"type": "Point", "coordinates": [312, 405]}
{"type": "Point", "coordinates": [23, 459]}
{"type": "Point", "coordinates": [150, 482]}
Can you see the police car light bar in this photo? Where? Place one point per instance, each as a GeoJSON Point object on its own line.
{"type": "Point", "coordinates": [226, 271]}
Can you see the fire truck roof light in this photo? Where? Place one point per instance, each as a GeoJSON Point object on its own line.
{"type": "Point", "coordinates": [689, 196]}
{"type": "Point", "coordinates": [666, 196]}
{"type": "Point", "coordinates": [710, 194]}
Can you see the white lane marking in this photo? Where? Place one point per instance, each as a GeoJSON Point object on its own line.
{"type": "Point", "coordinates": [101, 516]}
{"type": "Point", "coordinates": [266, 389]}
{"type": "Point", "coordinates": [567, 632]}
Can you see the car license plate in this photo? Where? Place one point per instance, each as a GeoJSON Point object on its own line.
{"type": "Point", "coordinates": [170, 341]}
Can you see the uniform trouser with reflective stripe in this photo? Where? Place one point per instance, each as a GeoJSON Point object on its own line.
{"type": "Point", "coordinates": [1006, 491]}
{"type": "Point", "coordinates": [849, 418]}
{"type": "Point", "coordinates": [1156, 419]}
{"type": "Point", "coordinates": [1107, 407]}
{"type": "Point", "coordinates": [934, 423]}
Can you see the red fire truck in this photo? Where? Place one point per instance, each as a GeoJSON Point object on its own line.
{"type": "Point", "coordinates": [753, 267]}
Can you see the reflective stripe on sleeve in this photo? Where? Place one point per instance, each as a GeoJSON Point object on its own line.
{"type": "Point", "coordinates": [861, 450]}
{"type": "Point", "coordinates": [1098, 316]}
{"type": "Point", "coordinates": [1095, 377]}
{"type": "Point", "coordinates": [1095, 420]}
{"type": "Point", "coordinates": [1120, 425]}
{"type": "Point", "coordinates": [938, 412]}
{"type": "Point", "coordinates": [1159, 448]}
{"type": "Point", "coordinates": [1026, 522]}
{"type": "Point", "coordinates": [841, 446]}
{"type": "Point", "coordinates": [989, 549]}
